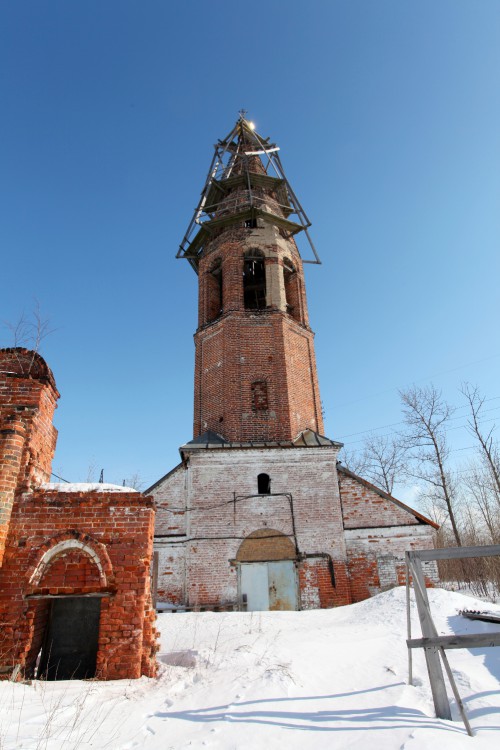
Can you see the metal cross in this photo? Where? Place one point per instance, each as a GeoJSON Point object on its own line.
{"type": "Point", "coordinates": [242, 113]}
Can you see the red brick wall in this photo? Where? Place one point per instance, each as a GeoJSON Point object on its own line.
{"type": "Point", "coordinates": [243, 346]}
{"type": "Point", "coordinates": [28, 398]}
{"type": "Point", "coordinates": [72, 572]}
{"type": "Point", "coordinates": [364, 507]}
{"type": "Point", "coordinates": [116, 529]}
{"type": "Point", "coordinates": [315, 583]}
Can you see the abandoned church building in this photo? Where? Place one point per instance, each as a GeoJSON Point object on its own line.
{"type": "Point", "coordinates": [259, 514]}
{"type": "Point", "coordinates": [75, 560]}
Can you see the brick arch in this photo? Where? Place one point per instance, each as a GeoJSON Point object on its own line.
{"type": "Point", "coordinates": [266, 544]}
{"type": "Point", "coordinates": [64, 544]}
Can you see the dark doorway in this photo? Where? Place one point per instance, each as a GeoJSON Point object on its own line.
{"type": "Point", "coordinates": [70, 647]}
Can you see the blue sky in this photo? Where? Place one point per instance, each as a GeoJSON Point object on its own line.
{"type": "Point", "coordinates": [388, 118]}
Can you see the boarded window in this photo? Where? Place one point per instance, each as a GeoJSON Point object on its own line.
{"type": "Point", "coordinates": [254, 280]}
{"type": "Point", "coordinates": [259, 395]}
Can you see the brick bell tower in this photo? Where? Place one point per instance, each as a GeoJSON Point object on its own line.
{"type": "Point", "coordinates": [255, 366]}
{"type": "Point", "coordinates": [258, 515]}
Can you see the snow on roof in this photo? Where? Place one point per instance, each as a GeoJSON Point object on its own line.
{"type": "Point", "coordinates": [85, 487]}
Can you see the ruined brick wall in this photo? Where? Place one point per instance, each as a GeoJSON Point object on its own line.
{"type": "Point", "coordinates": [74, 543]}
{"type": "Point", "coordinates": [378, 531]}
{"type": "Point", "coordinates": [317, 591]}
{"type": "Point", "coordinates": [219, 489]}
{"type": "Point", "coordinates": [376, 557]}
{"type": "Point", "coordinates": [28, 398]}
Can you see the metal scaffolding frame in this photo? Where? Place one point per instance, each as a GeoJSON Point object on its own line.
{"type": "Point", "coordinates": [227, 152]}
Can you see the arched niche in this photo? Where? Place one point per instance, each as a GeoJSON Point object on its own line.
{"type": "Point", "coordinates": [292, 290]}
{"type": "Point", "coordinates": [214, 285]}
{"type": "Point", "coordinates": [266, 544]}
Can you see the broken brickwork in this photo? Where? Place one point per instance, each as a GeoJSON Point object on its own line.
{"type": "Point", "coordinates": [378, 530]}
{"type": "Point", "coordinates": [66, 542]}
{"type": "Point", "coordinates": [28, 399]}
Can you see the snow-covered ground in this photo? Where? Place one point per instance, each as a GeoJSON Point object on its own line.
{"type": "Point", "coordinates": [295, 680]}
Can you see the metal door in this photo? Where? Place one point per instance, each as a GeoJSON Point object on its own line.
{"type": "Point", "coordinates": [254, 586]}
{"type": "Point", "coordinates": [282, 585]}
{"type": "Point", "coordinates": [70, 647]}
{"type": "Point", "coordinates": [269, 586]}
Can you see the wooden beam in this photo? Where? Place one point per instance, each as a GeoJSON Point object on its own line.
{"type": "Point", "coordinates": [455, 553]}
{"type": "Point", "coordinates": [471, 640]}
{"type": "Point", "coordinates": [67, 596]}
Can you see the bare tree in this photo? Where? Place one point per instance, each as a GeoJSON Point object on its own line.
{"type": "Point", "coordinates": [489, 449]}
{"type": "Point", "coordinates": [29, 332]}
{"type": "Point", "coordinates": [436, 512]}
{"type": "Point", "coordinates": [478, 486]}
{"type": "Point", "coordinates": [355, 461]}
{"type": "Point", "coordinates": [426, 416]}
{"type": "Point", "coordinates": [91, 472]}
{"type": "Point", "coordinates": [136, 482]}
{"type": "Point", "coordinates": [385, 461]}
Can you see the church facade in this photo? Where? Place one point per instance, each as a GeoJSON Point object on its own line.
{"type": "Point", "coordinates": [259, 514]}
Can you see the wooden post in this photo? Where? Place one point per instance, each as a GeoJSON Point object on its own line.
{"type": "Point", "coordinates": [408, 621]}
{"type": "Point", "coordinates": [436, 676]}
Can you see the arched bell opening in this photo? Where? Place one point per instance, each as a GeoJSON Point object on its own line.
{"type": "Point", "coordinates": [292, 293]}
{"type": "Point", "coordinates": [254, 280]}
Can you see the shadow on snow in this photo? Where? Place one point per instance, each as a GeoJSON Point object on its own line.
{"type": "Point", "coordinates": [350, 719]}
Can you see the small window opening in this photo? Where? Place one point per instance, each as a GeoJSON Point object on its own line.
{"type": "Point", "coordinates": [251, 223]}
{"type": "Point", "coordinates": [214, 285]}
{"type": "Point", "coordinates": [291, 289]}
{"type": "Point", "coordinates": [264, 484]}
{"type": "Point", "coordinates": [254, 280]}
{"type": "Point", "coordinates": [259, 395]}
